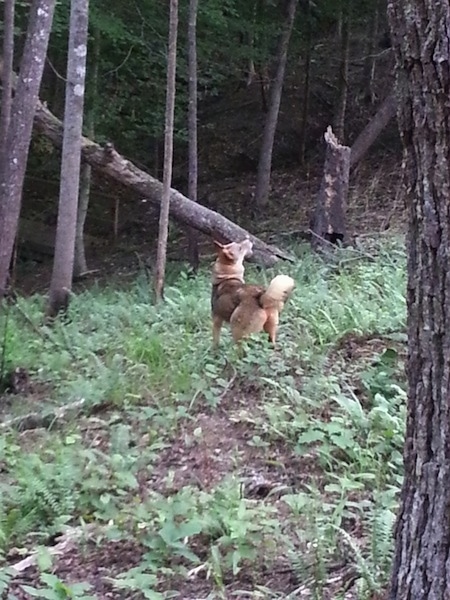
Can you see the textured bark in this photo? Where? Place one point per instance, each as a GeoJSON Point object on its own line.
{"type": "Point", "coordinates": [20, 128]}
{"type": "Point", "coordinates": [420, 33]}
{"type": "Point", "coordinates": [329, 219]}
{"type": "Point", "coordinates": [192, 128]}
{"type": "Point", "coordinates": [373, 129]}
{"type": "Point", "coordinates": [62, 274]}
{"type": "Point", "coordinates": [265, 157]}
{"type": "Point", "coordinates": [80, 265]}
{"type": "Point", "coordinates": [163, 234]}
{"type": "Point", "coordinates": [7, 77]}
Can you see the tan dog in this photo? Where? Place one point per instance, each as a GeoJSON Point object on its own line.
{"type": "Point", "coordinates": [248, 308]}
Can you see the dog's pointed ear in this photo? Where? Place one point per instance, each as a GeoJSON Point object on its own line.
{"type": "Point", "coordinates": [218, 244]}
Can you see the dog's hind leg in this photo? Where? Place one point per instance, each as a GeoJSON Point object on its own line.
{"type": "Point", "coordinates": [217, 326]}
{"type": "Point", "coordinates": [271, 326]}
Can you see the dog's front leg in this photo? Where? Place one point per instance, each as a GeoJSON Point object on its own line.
{"type": "Point", "coordinates": [217, 326]}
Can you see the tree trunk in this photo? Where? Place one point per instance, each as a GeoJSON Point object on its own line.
{"type": "Point", "coordinates": [370, 58]}
{"type": "Point", "coordinates": [7, 78]}
{"type": "Point", "coordinates": [20, 129]}
{"type": "Point", "coordinates": [306, 84]}
{"type": "Point", "coordinates": [168, 152]}
{"type": "Point", "coordinates": [265, 157]}
{"type": "Point", "coordinates": [80, 265]}
{"type": "Point", "coordinates": [419, 30]}
{"type": "Point", "coordinates": [373, 129]}
{"type": "Point", "coordinates": [328, 224]}
{"type": "Point", "coordinates": [192, 129]}
{"type": "Point", "coordinates": [62, 275]}
{"type": "Point", "coordinates": [341, 107]}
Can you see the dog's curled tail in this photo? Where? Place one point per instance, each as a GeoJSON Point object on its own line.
{"type": "Point", "coordinates": [278, 292]}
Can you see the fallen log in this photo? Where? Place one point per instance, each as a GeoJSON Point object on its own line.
{"type": "Point", "coordinates": [111, 163]}
{"type": "Point", "coordinates": [373, 129]}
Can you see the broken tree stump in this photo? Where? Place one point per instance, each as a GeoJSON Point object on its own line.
{"type": "Point", "coordinates": [328, 222]}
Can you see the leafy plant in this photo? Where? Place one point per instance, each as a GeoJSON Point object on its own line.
{"type": "Point", "coordinates": [54, 589]}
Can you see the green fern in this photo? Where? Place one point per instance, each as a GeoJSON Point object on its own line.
{"type": "Point", "coordinates": [373, 567]}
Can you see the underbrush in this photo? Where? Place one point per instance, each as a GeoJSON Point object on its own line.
{"type": "Point", "coordinates": [309, 483]}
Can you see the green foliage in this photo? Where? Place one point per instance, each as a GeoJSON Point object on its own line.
{"type": "Point", "coordinates": [55, 589]}
{"type": "Point", "coordinates": [329, 429]}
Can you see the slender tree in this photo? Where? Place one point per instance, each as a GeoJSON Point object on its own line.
{"type": "Point", "coordinates": [265, 157]}
{"type": "Point", "coordinates": [370, 60]}
{"type": "Point", "coordinates": [192, 126]}
{"type": "Point", "coordinates": [168, 152]}
{"type": "Point", "coordinates": [20, 128]}
{"type": "Point", "coordinates": [61, 282]}
{"type": "Point", "coordinates": [80, 264]}
{"type": "Point", "coordinates": [419, 32]}
{"type": "Point", "coordinates": [7, 75]}
{"type": "Point", "coordinates": [341, 103]}
{"type": "Point", "coordinates": [306, 82]}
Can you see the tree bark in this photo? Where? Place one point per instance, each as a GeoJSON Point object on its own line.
{"type": "Point", "coordinates": [80, 265]}
{"type": "Point", "coordinates": [265, 157]}
{"type": "Point", "coordinates": [420, 34]}
{"type": "Point", "coordinates": [329, 219]}
{"type": "Point", "coordinates": [7, 78]}
{"type": "Point", "coordinates": [62, 275]}
{"type": "Point", "coordinates": [192, 128]}
{"type": "Point", "coordinates": [373, 129]}
{"type": "Point", "coordinates": [20, 129]}
{"type": "Point", "coordinates": [168, 152]}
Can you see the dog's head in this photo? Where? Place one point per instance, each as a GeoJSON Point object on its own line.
{"type": "Point", "coordinates": [230, 260]}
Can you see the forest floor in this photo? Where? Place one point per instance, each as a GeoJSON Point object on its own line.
{"type": "Point", "coordinates": [182, 473]}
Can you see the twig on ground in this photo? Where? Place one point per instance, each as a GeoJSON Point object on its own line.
{"type": "Point", "coordinates": [230, 382]}
{"type": "Point", "coordinates": [36, 420]}
{"type": "Point", "coordinates": [67, 541]}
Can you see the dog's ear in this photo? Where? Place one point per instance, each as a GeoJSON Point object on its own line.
{"type": "Point", "coordinates": [218, 244]}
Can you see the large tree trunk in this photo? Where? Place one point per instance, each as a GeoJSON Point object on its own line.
{"type": "Point", "coordinates": [108, 161]}
{"type": "Point", "coordinates": [62, 275]}
{"type": "Point", "coordinates": [265, 157]}
{"type": "Point", "coordinates": [419, 31]}
{"type": "Point", "coordinates": [20, 128]}
{"type": "Point", "coordinates": [373, 129]}
{"type": "Point", "coordinates": [163, 234]}
{"type": "Point", "coordinates": [328, 224]}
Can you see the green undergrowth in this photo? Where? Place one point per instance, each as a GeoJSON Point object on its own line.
{"type": "Point", "coordinates": [323, 428]}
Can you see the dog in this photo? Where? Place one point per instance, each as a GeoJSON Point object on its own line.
{"type": "Point", "coordinates": [247, 308]}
